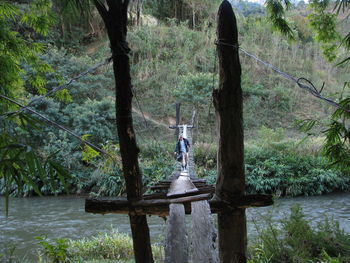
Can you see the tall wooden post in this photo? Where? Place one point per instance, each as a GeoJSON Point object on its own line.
{"type": "Point", "coordinates": [115, 19]}
{"type": "Point", "coordinates": [228, 105]}
{"type": "Point", "coordinates": [177, 119]}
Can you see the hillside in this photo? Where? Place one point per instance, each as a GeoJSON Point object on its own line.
{"type": "Point", "coordinates": [174, 60]}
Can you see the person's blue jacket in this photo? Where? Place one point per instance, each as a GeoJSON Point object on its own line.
{"type": "Point", "coordinates": [178, 146]}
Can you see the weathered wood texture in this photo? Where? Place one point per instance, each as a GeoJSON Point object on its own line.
{"type": "Point", "coordinates": [115, 18]}
{"type": "Point", "coordinates": [181, 186]}
{"type": "Point", "coordinates": [176, 249]}
{"type": "Point", "coordinates": [160, 206]}
{"type": "Point", "coordinates": [203, 234]}
{"type": "Point", "coordinates": [228, 105]}
{"type": "Point", "coordinates": [177, 130]}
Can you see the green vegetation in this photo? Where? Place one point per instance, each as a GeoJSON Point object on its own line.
{"type": "Point", "coordinates": [21, 67]}
{"type": "Point", "coordinates": [45, 43]}
{"type": "Point", "coordinates": [157, 51]}
{"type": "Point", "coordinates": [101, 248]}
{"type": "Point", "coordinates": [296, 240]}
{"type": "Point", "coordinates": [280, 166]}
{"type": "Point", "coordinates": [292, 239]}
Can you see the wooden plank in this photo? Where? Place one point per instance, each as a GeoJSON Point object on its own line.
{"type": "Point", "coordinates": [180, 186]}
{"type": "Point", "coordinates": [192, 180]}
{"type": "Point", "coordinates": [201, 190]}
{"type": "Point", "coordinates": [166, 186]}
{"type": "Point", "coordinates": [176, 248]}
{"type": "Point", "coordinates": [203, 233]}
{"type": "Point", "coordinates": [168, 182]}
{"type": "Point", "coordinates": [161, 206]}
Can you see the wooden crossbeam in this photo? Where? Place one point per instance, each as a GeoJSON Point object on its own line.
{"type": "Point", "coordinates": [161, 206]}
{"type": "Point", "coordinates": [206, 188]}
{"type": "Point", "coordinates": [178, 126]}
{"type": "Point", "coordinates": [195, 181]}
{"type": "Point", "coordinates": [201, 190]}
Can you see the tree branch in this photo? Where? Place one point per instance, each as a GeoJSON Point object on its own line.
{"type": "Point", "coordinates": [101, 8]}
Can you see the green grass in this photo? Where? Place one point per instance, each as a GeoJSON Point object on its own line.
{"type": "Point", "coordinates": [291, 240]}
{"type": "Point", "coordinates": [279, 166]}
{"type": "Point", "coordinates": [294, 240]}
{"type": "Point", "coordinates": [105, 247]}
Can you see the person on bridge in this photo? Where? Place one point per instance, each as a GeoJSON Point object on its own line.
{"type": "Point", "coordinates": [182, 148]}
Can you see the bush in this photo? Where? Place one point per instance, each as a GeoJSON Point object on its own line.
{"type": "Point", "coordinates": [105, 247]}
{"type": "Point", "coordinates": [292, 175]}
{"type": "Point", "coordinates": [274, 166]}
{"type": "Point", "coordinates": [297, 241]}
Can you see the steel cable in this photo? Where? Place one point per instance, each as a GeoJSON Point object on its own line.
{"type": "Point", "coordinates": [310, 87]}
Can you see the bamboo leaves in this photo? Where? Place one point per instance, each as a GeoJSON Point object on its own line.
{"type": "Point", "coordinates": [20, 165]}
{"type": "Point", "coordinates": [276, 11]}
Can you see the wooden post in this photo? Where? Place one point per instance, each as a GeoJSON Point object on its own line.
{"type": "Point", "coordinates": [114, 16]}
{"type": "Point", "coordinates": [177, 119]}
{"type": "Point", "coordinates": [228, 105]}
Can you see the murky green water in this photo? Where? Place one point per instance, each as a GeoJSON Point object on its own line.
{"type": "Point", "coordinates": [64, 217]}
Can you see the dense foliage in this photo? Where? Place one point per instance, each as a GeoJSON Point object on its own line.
{"type": "Point", "coordinates": [280, 166]}
{"type": "Point", "coordinates": [292, 239]}
{"type": "Point", "coordinates": [296, 240]}
{"type": "Point", "coordinates": [171, 35]}
{"type": "Point", "coordinates": [22, 67]}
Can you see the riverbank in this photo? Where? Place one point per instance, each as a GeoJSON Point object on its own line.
{"type": "Point", "coordinates": [282, 167]}
{"type": "Point", "coordinates": [63, 217]}
{"type": "Point", "coordinates": [294, 237]}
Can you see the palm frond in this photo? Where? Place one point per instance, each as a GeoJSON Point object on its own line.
{"type": "Point", "coordinates": [346, 41]}
{"type": "Point", "coordinates": [341, 5]}
{"type": "Point", "coordinates": [344, 61]}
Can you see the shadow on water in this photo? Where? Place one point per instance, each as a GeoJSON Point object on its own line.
{"type": "Point", "coordinates": [64, 217]}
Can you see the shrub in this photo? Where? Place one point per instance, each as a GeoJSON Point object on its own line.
{"type": "Point", "coordinates": [105, 247]}
{"type": "Point", "coordinates": [273, 167]}
{"type": "Point", "coordinates": [288, 174]}
{"type": "Point", "coordinates": [297, 241]}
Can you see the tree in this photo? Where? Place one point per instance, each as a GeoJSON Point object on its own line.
{"type": "Point", "coordinates": [19, 59]}
{"type": "Point", "coordinates": [114, 14]}
{"type": "Point", "coordinates": [193, 11]}
{"type": "Point", "coordinates": [323, 20]}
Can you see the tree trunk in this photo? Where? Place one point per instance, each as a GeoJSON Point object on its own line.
{"type": "Point", "coordinates": [138, 12]}
{"type": "Point", "coordinates": [177, 130]}
{"type": "Point", "coordinates": [193, 17]}
{"type": "Point", "coordinates": [228, 104]}
{"type": "Point", "coordinates": [115, 19]}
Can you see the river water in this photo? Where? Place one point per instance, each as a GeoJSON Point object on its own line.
{"type": "Point", "coordinates": [64, 217]}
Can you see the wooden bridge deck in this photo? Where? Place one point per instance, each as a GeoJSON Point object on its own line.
{"type": "Point", "coordinates": [202, 227]}
{"type": "Point", "coordinates": [182, 193]}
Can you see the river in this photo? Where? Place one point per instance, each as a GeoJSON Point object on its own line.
{"type": "Point", "coordinates": [64, 217]}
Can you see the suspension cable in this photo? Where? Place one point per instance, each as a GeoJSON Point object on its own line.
{"type": "Point", "coordinates": [309, 87]}
{"type": "Point", "coordinates": [26, 108]}
{"type": "Point", "coordinates": [65, 85]}
{"type": "Point", "coordinates": [144, 117]}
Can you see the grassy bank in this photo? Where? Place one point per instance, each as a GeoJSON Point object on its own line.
{"type": "Point", "coordinates": [277, 165]}
{"type": "Point", "coordinates": [292, 239]}
{"type": "Point", "coordinates": [282, 167]}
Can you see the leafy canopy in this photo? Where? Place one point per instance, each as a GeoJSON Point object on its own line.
{"type": "Point", "coordinates": [20, 65]}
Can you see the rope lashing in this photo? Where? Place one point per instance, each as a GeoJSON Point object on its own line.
{"type": "Point", "coordinates": [310, 87]}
